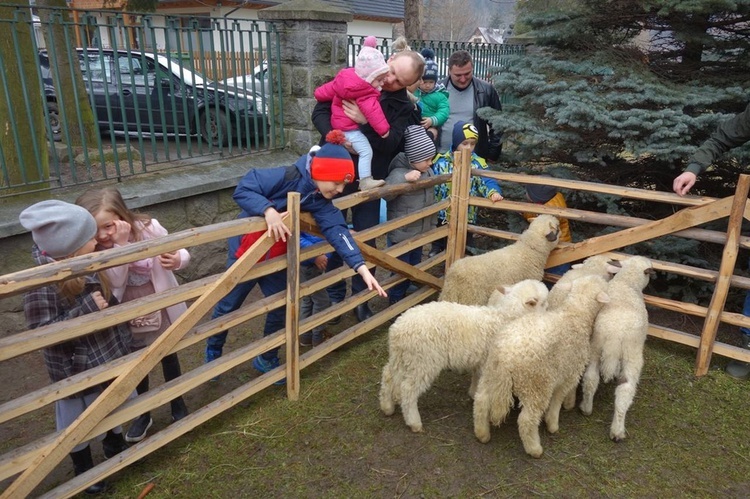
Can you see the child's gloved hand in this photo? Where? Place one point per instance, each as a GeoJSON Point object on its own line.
{"type": "Point", "coordinates": [276, 228]}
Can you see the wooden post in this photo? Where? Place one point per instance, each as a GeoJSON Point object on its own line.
{"type": "Point", "coordinates": [458, 216]}
{"type": "Point", "coordinates": [292, 298]}
{"type": "Point", "coordinates": [121, 388]}
{"type": "Point", "coordinates": [726, 270]}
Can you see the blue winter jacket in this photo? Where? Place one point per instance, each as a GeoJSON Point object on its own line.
{"type": "Point", "coordinates": [262, 188]}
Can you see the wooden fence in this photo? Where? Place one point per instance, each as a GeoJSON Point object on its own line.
{"type": "Point", "coordinates": [34, 460]}
{"type": "Point", "coordinates": [219, 66]}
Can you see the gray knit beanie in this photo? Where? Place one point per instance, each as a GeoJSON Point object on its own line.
{"type": "Point", "coordinates": [418, 146]}
{"type": "Point", "coordinates": [58, 228]}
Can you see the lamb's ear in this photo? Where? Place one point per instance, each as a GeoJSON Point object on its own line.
{"type": "Point", "coordinates": [616, 263]}
{"type": "Point", "coordinates": [503, 290]}
{"type": "Point", "coordinates": [576, 266]}
{"type": "Point", "coordinates": [552, 235]}
{"type": "Point", "coordinates": [613, 269]}
{"type": "Point", "coordinates": [602, 297]}
{"type": "Point", "coordinates": [650, 272]}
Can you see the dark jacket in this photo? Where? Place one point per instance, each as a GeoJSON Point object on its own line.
{"type": "Point", "coordinates": [404, 204]}
{"type": "Point", "coordinates": [262, 188]}
{"type": "Point", "coordinates": [730, 134]}
{"type": "Point", "coordinates": [400, 112]}
{"type": "Point", "coordinates": [489, 144]}
{"type": "Point", "coordinates": [46, 305]}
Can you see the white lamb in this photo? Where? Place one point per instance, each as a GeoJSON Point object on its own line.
{"type": "Point", "coordinates": [538, 358]}
{"type": "Point", "coordinates": [471, 280]}
{"type": "Point", "coordinates": [429, 338]}
{"type": "Point", "coordinates": [617, 343]}
{"type": "Point", "coordinates": [594, 265]}
{"type": "Point", "coordinates": [600, 265]}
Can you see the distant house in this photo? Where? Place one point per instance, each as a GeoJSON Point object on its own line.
{"type": "Point", "coordinates": [371, 17]}
{"type": "Point", "coordinates": [487, 35]}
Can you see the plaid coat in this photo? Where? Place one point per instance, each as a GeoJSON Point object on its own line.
{"type": "Point", "coordinates": [46, 305]}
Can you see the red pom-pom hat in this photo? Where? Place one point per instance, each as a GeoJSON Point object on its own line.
{"type": "Point", "coordinates": [332, 162]}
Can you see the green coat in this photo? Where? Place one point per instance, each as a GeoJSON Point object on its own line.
{"type": "Point", "coordinates": [730, 134]}
{"type": "Point", "coordinates": [434, 105]}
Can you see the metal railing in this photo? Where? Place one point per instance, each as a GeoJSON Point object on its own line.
{"type": "Point", "coordinates": [142, 78]}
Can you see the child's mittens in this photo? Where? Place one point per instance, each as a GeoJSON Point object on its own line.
{"type": "Point", "coordinates": [412, 176]}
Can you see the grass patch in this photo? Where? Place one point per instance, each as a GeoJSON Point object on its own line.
{"type": "Point", "coordinates": [687, 436]}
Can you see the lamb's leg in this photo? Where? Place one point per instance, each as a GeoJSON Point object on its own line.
{"type": "Point", "coordinates": [528, 429]}
{"type": "Point", "coordinates": [482, 415]}
{"type": "Point", "coordinates": [413, 385]}
{"type": "Point", "coordinates": [386, 391]}
{"type": "Point", "coordinates": [590, 384]}
{"type": "Point", "coordinates": [570, 399]}
{"type": "Point", "coordinates": [624, 395]}
{"type": "Point", "coordinates": [474, 382]}
{"type": "Point", "coordinates": [552, 414]}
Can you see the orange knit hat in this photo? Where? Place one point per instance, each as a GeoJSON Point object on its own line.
{"type": "Point", "coordinates": [332, 162]}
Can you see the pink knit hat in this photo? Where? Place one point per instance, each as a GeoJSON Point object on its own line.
{"type": "Point", "coordinates": [370, 62]}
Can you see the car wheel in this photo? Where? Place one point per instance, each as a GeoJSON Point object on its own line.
{"type": "Point", "coordinates": [54, 121]}
{"type": "Point", "coordinates": [213, 124]}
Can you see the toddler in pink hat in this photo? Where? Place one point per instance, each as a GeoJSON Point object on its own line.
{"type": "Point", "coordinates": [360, 84]}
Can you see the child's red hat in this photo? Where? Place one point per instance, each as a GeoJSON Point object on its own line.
{"type": "Point", "coordinates": [332, 162]}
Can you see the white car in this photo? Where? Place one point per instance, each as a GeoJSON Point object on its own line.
{"type": "Point", "coordinates": [256, 82]}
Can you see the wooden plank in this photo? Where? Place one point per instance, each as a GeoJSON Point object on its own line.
{"type": "Point", "coordinates": [726, 269]}
{"type": "Point", "coordinates": [687, 217]}
{"type": "Point", "coordinates": [458, 216]}
{"type": "Point", "coordinates": [122, 387]}
{"type": "Point", "coordinates": [18, 282]}
{"type": "Point", "coordinates": [392, 263]}
{"type": "Point", "coordinates": [711, 236]}
{"type": "Point", "coordinates": [615, 190]}
{"type": "Point", "coordinates": [292, 298]}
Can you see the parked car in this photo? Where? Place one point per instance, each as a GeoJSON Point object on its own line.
{"type": "Point", "coordinates": [256, 82]}
{"type": "Point", "coordinates": [133, 91]}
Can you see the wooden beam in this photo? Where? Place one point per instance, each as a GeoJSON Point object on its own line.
{"type": "Point", "coordinates": [688, 217]}
{"type": "Point", "coordinates": [726, 269]}
{"type": "Point", "coordinates": [458, 216]}
{"type": "Point", "coordinates": [292, 297]}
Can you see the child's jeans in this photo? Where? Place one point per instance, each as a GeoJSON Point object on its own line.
{"type": "Point", "coordinates": [362, 147]}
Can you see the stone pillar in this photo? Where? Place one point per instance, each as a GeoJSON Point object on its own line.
{"type": "Point", "coordinates": [313, 47]}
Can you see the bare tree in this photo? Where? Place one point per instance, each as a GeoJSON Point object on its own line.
{"type": "Point", "coordinates": [413, 19]}
{"type": "Point", "coordinates": [450, 20]}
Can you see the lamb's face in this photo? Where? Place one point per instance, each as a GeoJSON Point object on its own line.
{"type": "Point", "coordinates": [598, 265]}
{"type": "Point", "coordinates": [546, 226]}
{"type": "Point", "coordinates": [523, 297]}
{"type": "Point", "coordinates": [637, 270]}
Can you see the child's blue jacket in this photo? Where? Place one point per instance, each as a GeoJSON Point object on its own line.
{"type": "Point", "coordinates": [262, 188]}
